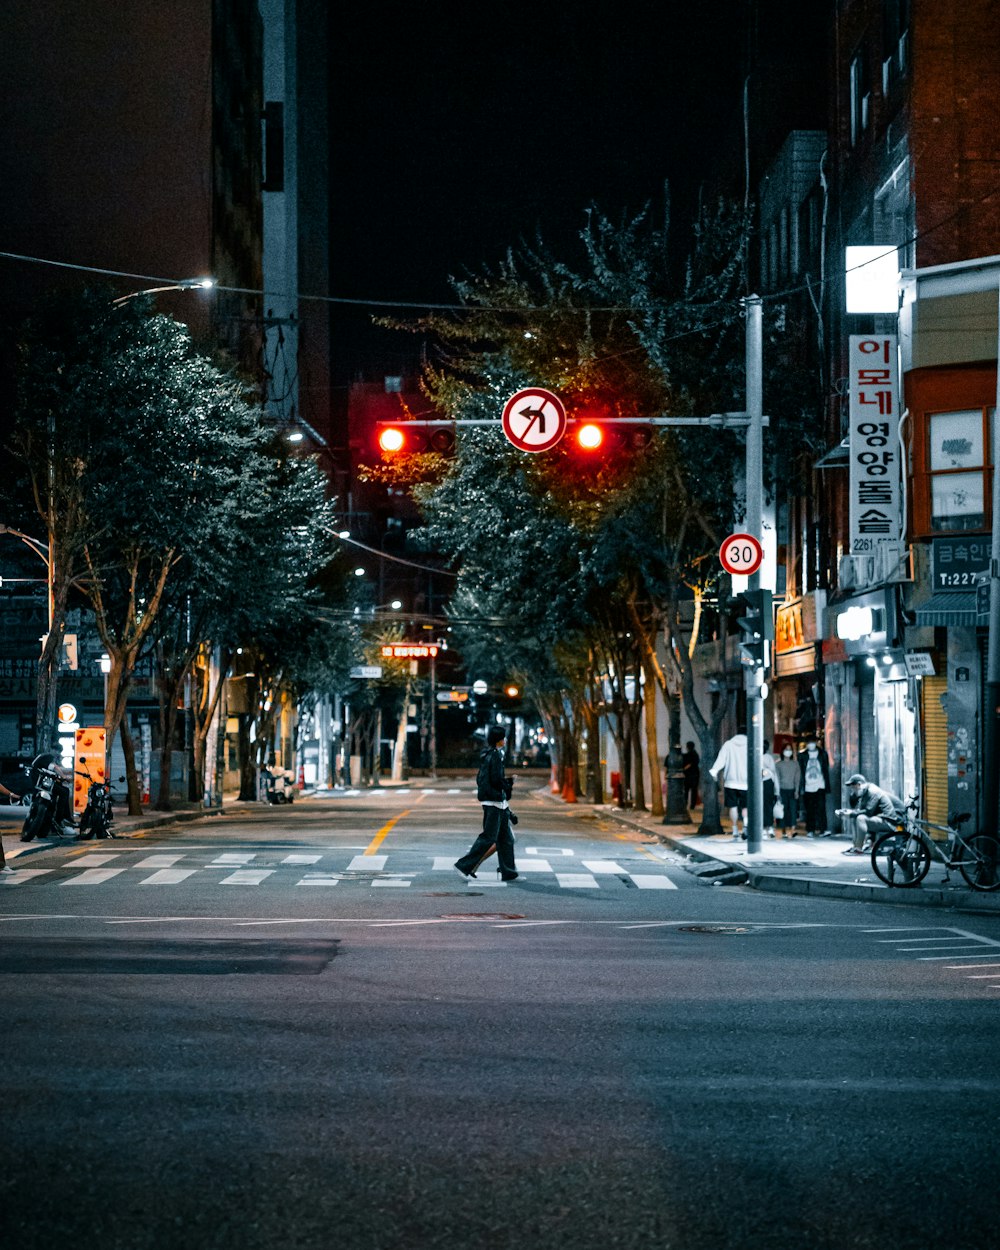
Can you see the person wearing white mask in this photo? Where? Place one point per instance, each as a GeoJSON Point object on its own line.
{"type": "Point", "coordinates": [789, 781]}
{"type": "Point", "coordinates": [814, 769]}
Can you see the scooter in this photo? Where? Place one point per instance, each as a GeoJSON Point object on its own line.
{"type": "Point", "coordinates": [41, 820]}
{"type": "Point", "coordinates": [98, 816]}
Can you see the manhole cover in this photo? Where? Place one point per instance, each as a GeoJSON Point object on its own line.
{"type": "Point", "coordinates": [484, 915]}
{"type": "Point", "coordinates": [713, 928]}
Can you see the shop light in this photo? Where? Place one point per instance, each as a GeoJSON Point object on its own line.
{"type": "Point", "coordinates": [855, 623]}
{"type": "Point", "coordinates": [887, 659]}
{"type": "Point", "coordinates": [871, 662]}
{"type": "Point", "coordinates": [872, 279]}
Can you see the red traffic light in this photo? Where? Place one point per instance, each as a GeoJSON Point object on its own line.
{"type": "Point", "coordinates": [391, 439]}
{"type": "Point", "coordinates": [414, 438]}
{"type": "Point", "coordinates": [590, 436]}
{"type": "Point", "coordinates": [617, 435]}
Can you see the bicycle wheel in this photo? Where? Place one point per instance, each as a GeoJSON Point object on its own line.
{"type": "Point", "coordinates": [979, 862]}
{"type": "Point", "coordinates": [900, 860]}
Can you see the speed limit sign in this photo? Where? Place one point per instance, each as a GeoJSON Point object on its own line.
{"type": "Point", "coordinates": [741, 554]}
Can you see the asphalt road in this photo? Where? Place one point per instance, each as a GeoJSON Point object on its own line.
{"type": "Point", "coordinates": [301, 1028]}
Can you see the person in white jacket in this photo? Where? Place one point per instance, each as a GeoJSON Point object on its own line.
{"type": "Point", "coordinates": [732, 763]}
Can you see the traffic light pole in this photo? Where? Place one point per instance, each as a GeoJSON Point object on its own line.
{"type": "Point", "coordinates": [754, 525]}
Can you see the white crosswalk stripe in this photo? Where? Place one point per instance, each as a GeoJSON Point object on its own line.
{"type": "Point", "coordinates": [364, 871]}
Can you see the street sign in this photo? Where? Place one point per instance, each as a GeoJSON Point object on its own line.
{"type": "Point", "coordinates": [534, 419]}
{"type": "Point", "coordinates": [410, 651]}
{"type": "Point", "coordinates": [741, 554]}
{"type": "Point", "coordinates": [367, 670]}
{"type": "Point", "coordinates": [453, 696]}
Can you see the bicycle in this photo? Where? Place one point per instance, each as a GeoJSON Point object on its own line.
{"type": "Point", "coordinates": [902, 857]}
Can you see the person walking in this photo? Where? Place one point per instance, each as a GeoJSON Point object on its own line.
{"type": "Point", "coordinates": [493, 789]}
{"type": "Point", "coordinates": [814, 771]}
{"type": "Point", "coordinates": [872, 809]}
{"type": "Point", "coordinates": [690, 762]}
{"type": "Point", "coordinates": [789, 781]}
{"type": "Point", "coordinates": [732, 763]}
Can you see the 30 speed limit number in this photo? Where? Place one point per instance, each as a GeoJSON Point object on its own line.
{"type": "Point", "coordinates": [741, 554]}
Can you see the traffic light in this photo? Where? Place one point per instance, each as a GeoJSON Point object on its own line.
{"type": "Point", "coordinates": [613, 435]}
{"type": "Point", "coordinates": [411, 438]}
{"type": "Point", "coordinates": [756, 628]}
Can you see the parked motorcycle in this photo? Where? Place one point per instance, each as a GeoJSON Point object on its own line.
{"type": "Point", "coordinates": [98, 816]}
{"type": "Point", "coordinates": [47, 796]}
{"type": "Point", "coordinates": [279, 785]}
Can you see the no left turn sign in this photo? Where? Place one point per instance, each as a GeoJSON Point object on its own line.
{"type": "Point", "coordinates": [741, 554]}
{"type": "Point", "coordinates": [534, 419]}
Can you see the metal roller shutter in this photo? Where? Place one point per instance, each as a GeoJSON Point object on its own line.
{"type": "Point", "coordinates": [935, 730]}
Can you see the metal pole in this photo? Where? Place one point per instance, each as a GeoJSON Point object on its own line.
{"type": "Point", "coordinates": [433, 740]}
{"type": "Point", "coordinates": [991, 713]}
{"type": "Point", "coordinates": [754, 525]}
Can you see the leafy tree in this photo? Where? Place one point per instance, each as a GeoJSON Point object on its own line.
{"type": "Point", "coordinates": [163, 482]}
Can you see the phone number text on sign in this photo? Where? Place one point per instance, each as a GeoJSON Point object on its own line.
{"type": "Point", "coordinates": [741, 554]}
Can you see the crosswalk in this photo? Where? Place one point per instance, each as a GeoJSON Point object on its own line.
{"type": "Point", "coordinates": [316, 870]}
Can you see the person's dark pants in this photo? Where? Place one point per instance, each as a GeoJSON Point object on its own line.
{"type": "Point", "coordinates": [791, 816]}
{"type": "Point", "coordinates": [691, 789]}
{"type": "Point", "coordinates": [815, 804]}
{"type": "Point", "coordinates": [496, 833]}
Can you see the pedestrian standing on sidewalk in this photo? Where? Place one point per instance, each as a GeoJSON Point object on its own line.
{"type": "Point", "coordinates": [814, 770]}
{"type": "Point", "coordinates": [691, 763]}
{"type": "Point", "coordinates": [732, 763]}
{"type": "Point", "coordinates": [493, 789]}
{"type": "Point", "coordinates": [10, 795]}
{"type": "Point", "coordinates": [789, 781]}
{"type": "Point", "coordinates": [770, 790]}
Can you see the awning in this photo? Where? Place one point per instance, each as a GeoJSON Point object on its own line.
{"type": "Point", "coordinates": [948, 608]}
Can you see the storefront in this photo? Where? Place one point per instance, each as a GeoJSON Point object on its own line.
{"type": "Point", "coordinates": [797, 687]}
{"type": "Point", "coordinates": [871, 694]}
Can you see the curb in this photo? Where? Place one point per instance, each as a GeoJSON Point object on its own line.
{"type": "Point", "coordinates": [816, 887]}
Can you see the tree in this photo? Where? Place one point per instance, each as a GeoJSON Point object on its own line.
{"type": "Point", "coordinates": [167, 475]}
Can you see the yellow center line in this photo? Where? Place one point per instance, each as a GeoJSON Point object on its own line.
{"type": "Point", "coordinates": [379, 838]}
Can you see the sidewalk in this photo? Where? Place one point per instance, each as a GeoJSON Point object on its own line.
{"type": "Point", "coordinates": [817, 867]}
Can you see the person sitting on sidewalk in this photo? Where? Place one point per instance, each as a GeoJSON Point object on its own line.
{"type": "Point", "coordinates": [872, 810]}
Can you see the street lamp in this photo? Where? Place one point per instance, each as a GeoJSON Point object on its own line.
{"type": "Point", "coordinates": [186, 284]}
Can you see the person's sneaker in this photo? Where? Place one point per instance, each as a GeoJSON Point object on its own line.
{"type": "Point", "coordinates": [6, 868]}
{"type": "Point", "coordinates": [852, 850]}
{"type": "Point", "coordinates": [735, 837]}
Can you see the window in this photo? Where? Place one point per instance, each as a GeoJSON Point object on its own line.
{"type": "Point", "coordinates": [858, 102]}
{"type": "Point", "coordinates": [952, 449]}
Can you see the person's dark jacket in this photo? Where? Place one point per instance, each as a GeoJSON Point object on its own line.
{"type": "Point", "coordinates": [875, 802]}
{"type": "Point", "coordinates": [824, 763]}
{"type": "Point", "coordinates": [493, 786]}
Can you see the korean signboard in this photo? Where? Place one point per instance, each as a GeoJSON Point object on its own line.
{"type": "Point", "coordinates": [874, 445]}
{"type": "Point", "coordinates": [959, 561]}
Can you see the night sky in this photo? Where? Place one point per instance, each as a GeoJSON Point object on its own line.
{"type": "Point", "coordinates": [459, 128]}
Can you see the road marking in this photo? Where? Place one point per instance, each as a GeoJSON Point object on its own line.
{"type": "Point", "coordinates": [534, 865]}
{"type": "Point", "coordinates": [320, 878]}
{"type": "Point", "coordinates": [602, 865]}
{"type": "Point", "coordinates": [94, 876]}
{"type": "Point", "coordinates": [548, 850]}
{"type": "Point", "coordinates": [443, 864]}
{"type": "Point", "coordinates": [577, 881]}
{"type": "Point", "coordinates": [168, 876]}
{"type": "Point", "coordinates": [158, 861]}
{"type": "Point", "coordinates": [20, 875]}
{"type": "Point", "coordinates": [390, 881]}
{"type": "Point", "coordinates": [96, 860]}
{"type": "Point", "coordinates": [962, 967]}
{"type": "Point", "coordinates": [380, 837]}
{"type": "Point", "coordinates": [233, 858]}
{"type": "Point", "coordinates": [649, 882]}
{"type": "Point", "coordinates": [247, 876]}
{"type": "Point", "coordinates": [367, 863]}
{"type": "Point", "coordinates": [302, 859]}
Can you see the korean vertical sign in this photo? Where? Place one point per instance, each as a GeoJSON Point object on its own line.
{"type": "Point", "coordinates": [875, 461]}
